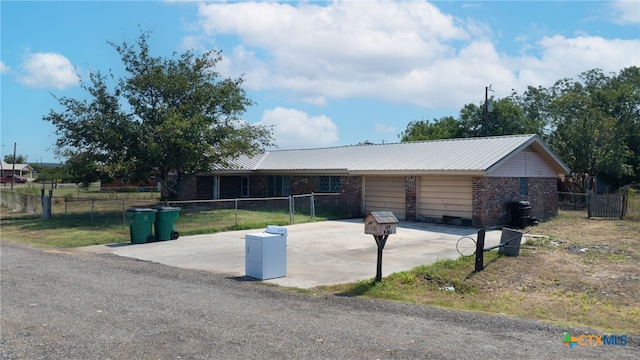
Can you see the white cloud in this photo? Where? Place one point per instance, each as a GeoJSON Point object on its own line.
{"type": "Point", "coordinates": [385, 129]}
{"type": "Point", "coordinates": [340, 50]}
{"type": "Point", "coordinates": [400, 52]}
{"type": "Point", "coordinates": [48, 70]}
{"type": "Point", "coordinates": [192, 43]}
{"type": "Point", "coordinates": [296, 129]}
{"type": "Point", "coordinates": [625, 11]}
{"type": "Point", "coordinates": [4, 68]}
{"type": "Point", "coordinates": [568, 57]}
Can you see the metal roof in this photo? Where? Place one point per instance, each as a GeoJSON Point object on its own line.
{"type": "Point", "coordinates": [465, 155]}
{"type": "Point", "coordinates": [384, 217]}
{"type": "Point", "coordinates": [6, 166]}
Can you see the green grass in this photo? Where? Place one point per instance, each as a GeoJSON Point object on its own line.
{"type": "Point", "coordinates": [442, 280]}
{"type": "Point", "coordinates": [74, 231]}
{"type": "Point", "coordinates": [83, 217]}
{"type": "Point", "coordinates": [204, 222]}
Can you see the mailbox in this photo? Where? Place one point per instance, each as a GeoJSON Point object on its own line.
{"type": "Point", "coordinates": [379, 223]}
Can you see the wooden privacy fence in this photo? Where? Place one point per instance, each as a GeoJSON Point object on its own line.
{"type": "Point", "coordinates": [607, 206]}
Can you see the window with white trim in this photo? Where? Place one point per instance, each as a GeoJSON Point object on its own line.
{"type": "Point", "coordinates": [278, 185]}
{"type": "Point", "coordinates": [244, 186]}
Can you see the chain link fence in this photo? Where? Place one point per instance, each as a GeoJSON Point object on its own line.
{"type": "Point", "coordinates": [572, 201]}
{"type": "Point", "coordinates": [111, 209]}
{"type": "Point", "coordinates": [632, 211]}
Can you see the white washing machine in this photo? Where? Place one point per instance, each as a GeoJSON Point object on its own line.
{"type": "Point", "coordinates": [266, 253]}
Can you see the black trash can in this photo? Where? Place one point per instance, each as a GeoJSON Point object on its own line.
{"type": "Point", "coordinates": [520, 217]}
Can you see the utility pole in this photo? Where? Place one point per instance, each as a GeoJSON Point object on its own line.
{"type": "Point", "coordinates": [487, 108]}
{"type": "Point", "coordinates": [13, 177]}
{"type": "Point", "coordinates": [1, 165]}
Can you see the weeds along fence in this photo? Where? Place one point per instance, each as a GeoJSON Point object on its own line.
{"type": "Point", "coordinates": [113, 210]}
{"type": "Point", "coordinates": [632, 206]}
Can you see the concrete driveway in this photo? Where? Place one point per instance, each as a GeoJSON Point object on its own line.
{"type": "Point", "coordinates": [320, 253]}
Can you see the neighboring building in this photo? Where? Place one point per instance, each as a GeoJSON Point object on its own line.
{"type": "Point", "coordinates": [471, 179]}
{"type": "Point", "coordinates": [125, 184]}
{"type": "Point", "coordinates": [22, 170]}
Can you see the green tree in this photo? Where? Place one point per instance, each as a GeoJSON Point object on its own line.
{"type": "Point", "coordinates": [535, 103]}
{"type": "Point", "coordinates": [168, 117]}
{"type": "Point", "coordinates": [592, 124]}
{"type": "Point", "coordinates": [505, 118]}
{"type": "Point", "coordinates": [81, 169]}
{"type": "Point", "coordinates": [46, 173]}
{"type": "Point", "coordinates": [595, 124]}
{"type": "Point", "coordinates": [20, 159]}
{"type": "Point", "coordinates": [623, 111]}
{"type": "Point", "coordinates": [443, 128]}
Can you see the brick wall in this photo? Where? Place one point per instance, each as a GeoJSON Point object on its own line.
{"type": "Point", "coordinates": [491, 195]}
{"type": "Point", "coordinates": [544, 205]}
{"type": "Point", "coordinates": [304, 184]}
{"type": "Point", "coordinates": [258, 186]}
{"type": "Point", "coordinates": [351, 194]}
{"type": "Point", "coordinates": [348, 203]}
{"type": "Point", "coordinates": [189, 188]}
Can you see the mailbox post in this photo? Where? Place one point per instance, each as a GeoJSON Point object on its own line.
{"type": "Point", "coordinates": [380, 224]}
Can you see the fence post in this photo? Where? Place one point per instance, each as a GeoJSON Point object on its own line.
{"type": "Point", "coordinates": [291, 209]}
{"type": "Point", "coordinates": [625, 202]}
{"type": "Point", "coordinates": [124, 219]}
{"type": "Point", "coordinates": [93, 202]}
{"type": "Point", "coordinates": [479, 265]}
{"type": "Point", "coordinates": [313, 207]}
{"type": "Point", "coordinates": [236, 201]}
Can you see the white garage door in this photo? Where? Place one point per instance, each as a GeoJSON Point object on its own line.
{"type": "Point", "coordinates": [385, 194]}
{"type": "Point", "coordinates": [446, 195]}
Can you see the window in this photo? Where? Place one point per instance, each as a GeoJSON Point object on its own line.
{"type": "Point", "coordinates": [216, 187]}
{"type": "Point", "coordinates": [279, 185]}
{"type": "Point", "coordinates": [329, 184]}
{"type": "Point", "coordinates": [244, 186]}
{"type": "Point", "coordinates": [524, 186]}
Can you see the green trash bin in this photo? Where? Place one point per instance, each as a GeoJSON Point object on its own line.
{"type": "Point", "coordinates": [165, 222]}
{"type": "Point", "coordinates": [140, 224]}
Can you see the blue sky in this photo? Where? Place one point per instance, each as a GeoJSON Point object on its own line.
{"type": "Point", "coordinates": [322, 73]}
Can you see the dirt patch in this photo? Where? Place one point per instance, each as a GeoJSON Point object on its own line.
{"type": "Point", "coordinates": [584, 272]}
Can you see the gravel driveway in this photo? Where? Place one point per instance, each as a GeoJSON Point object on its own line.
{"type": "Point", "coordinates": [57, 305]}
